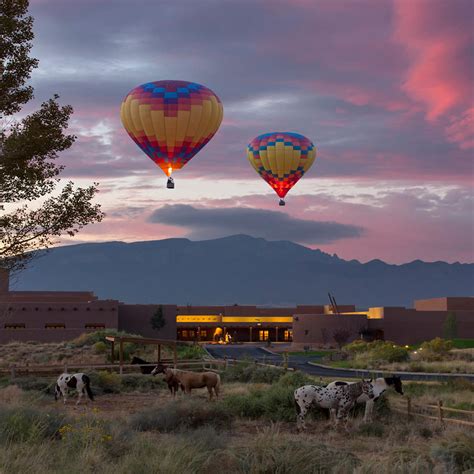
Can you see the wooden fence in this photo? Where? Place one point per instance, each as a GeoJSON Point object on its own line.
{"type": "Point", "coordinates": [217, 365]}
{"type": "Point", "coordinates": [438, 412]}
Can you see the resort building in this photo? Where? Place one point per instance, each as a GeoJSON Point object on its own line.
{"type": "Point", "coordinates": [53, 316]}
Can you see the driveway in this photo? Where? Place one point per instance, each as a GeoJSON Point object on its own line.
{"type": "Point", "coordinates": [301, 362]}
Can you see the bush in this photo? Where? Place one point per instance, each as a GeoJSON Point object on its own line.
{"type": "Point", "coordinates": [100, 347]}
{"type": "Point", "coordinates": [21, 424]}
{"type": "Point", "coordinates": [90, 338]}
{"type": "Point", "coordinates": [251, 373]}
{"type": "Point", "coordinates": [271, 452]}
{"type": "Point", "coordinates": [105, 382]}
{"type": "Point", "coordinates": [436, 349]}
{"type": "Point", "coordinates": [181, 415]}
{"type": "Point", "coordinates": [35, 383]}
{"type": "Point", "coordinates": [142, 383]}
{"type": "Point", "coordinates": [457, 453]}
{"type": "Point", "coordinates": [194, 351]}
{"type": "Point", "coordinates": [295, 379]}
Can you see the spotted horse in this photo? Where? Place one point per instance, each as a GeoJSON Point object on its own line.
{"type": "Point", "coordinates": [79, 382]}
{"type": "Point", "coordinates": [340, 398]}
{"type": "Point", "coordinates": [380, 385]}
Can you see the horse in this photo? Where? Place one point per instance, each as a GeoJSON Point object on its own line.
{"type": "Point", "coordinates": [173, 384]}
{"type": "Point", "coordinates": [144, 369]}
{"type": "Point", "coordinates": [190, 380]}
{"type": "Point", "coordinates": [379, 386]}
{"type": "Point", "coordinates": [80, 382]}
{"type": "Point", "coordinates": [339, 398]}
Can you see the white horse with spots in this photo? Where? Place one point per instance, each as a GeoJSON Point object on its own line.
{"type": "Point", "coordinates": [379, 385]}
{"type": "Point", "coordinates": [79, 382]}
{"type": "Point", "coordinates": [339, 398]}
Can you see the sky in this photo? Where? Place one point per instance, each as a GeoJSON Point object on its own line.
{"type": "Point", "coordinates": [383, 88]}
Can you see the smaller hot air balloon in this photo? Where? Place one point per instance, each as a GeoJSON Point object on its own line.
{"type": "Point", "coordinates": [171, 121]}
{"type": "Point", "coordinates": [281, 159]}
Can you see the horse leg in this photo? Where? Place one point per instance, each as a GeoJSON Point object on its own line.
{"type": "Point", "coordinates": [369, 407]}
{"type": "Point", "coordinates": [209, 389]}
{"type": "Point", "coordinates": [300, 416]}
{"type": "Point", "coordinates": [216, 391]}
{"type": "Point", "coordinates": [64, 393]}
{"type": "Point", "coordinates": [79, 396]}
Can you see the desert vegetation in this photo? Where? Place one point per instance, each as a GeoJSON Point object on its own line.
{"type": "Point", "coordinates": [438, 355]}
{"type": "Point", "coordinates": [135, 426]}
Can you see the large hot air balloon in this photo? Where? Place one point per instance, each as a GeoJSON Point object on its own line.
{"type": "Point", "coordinates": [281, 159]}
{"type": "Point", "coordinates": [171, 121]}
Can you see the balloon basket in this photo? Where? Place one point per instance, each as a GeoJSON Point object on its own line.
{"type": "Point", "coordinates": [281, 203]}
{"type": "Point", "coordinates": [170, 183]}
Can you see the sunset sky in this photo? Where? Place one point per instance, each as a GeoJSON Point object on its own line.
{"type": "Point", "coordinates": [383, 88]}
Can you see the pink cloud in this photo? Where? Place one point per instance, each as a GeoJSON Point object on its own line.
{"type": "Point", "coordinates": [438, 37]}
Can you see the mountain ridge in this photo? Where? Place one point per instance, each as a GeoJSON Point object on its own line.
{"type": "Point", "coordinates": [238, 269]}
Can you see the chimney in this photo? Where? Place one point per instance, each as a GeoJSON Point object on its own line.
{"type": "Point", "coordinates": [4, 280]}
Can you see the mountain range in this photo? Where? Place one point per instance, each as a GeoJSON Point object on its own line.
{"type": "Point", "coordinates": [238, 269]}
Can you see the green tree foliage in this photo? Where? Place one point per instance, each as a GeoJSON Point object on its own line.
{"type": "Point", "coordinates": [436, 349]}
{"type": "Point", "coordinates": [450, 328]}
{"type": "Point", "coordinates": [158, 321]}
{"type": "Point", "coordinates": [32, 218]}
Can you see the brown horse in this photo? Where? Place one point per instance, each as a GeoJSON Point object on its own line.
{"type": "Point", "coordinates": [173, 383]}
{"type": "Point", "coordinates": [190, 380]}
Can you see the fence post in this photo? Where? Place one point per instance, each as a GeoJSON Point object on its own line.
{"type": "Point", "coordinates": [409, 407]}
{"type": "Point", "coordinates": [440, 411]}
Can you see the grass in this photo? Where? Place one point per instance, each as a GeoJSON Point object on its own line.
{"type": "Point", "coordinates": [251, 430]}
{"type": "Point", "coordinates": [463, 343]}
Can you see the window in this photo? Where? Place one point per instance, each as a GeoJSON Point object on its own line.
{"type": "Point", "coordinates": [15, 326]}
{"type": "Point", "coordinates": [203, 333]}
{"type": "Point", "coordinates": [192, 333]}
{"type": "Point", "coordinates": [288, 335]}
{"type": "Point", "coordinates": [184, 333]}
{"type": "Point", "coordinates": [55, 326]}
{"type": "Point", "coordinates": [95, 326]}
{"type": "Point", "coordinates": [263, 335]}
{"type": "Point", "coordinates": [306, 332]}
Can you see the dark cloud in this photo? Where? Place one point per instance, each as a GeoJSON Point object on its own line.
{"type": "Point", "coordinates": [204, 223]}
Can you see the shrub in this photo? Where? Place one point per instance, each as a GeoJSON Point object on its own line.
{"type": "Point", "coordinates": [145, 383]}
{"type": "Point", "coordinates": [90, 338]}
{"type": "Point", "coordinates": [457, 453]}
{"type": "Point", "coordinates": [436, 349]}
{"type": "Point", "coordinates": [271, 452]}
{"type": "Point", "coordinates": [356, 346]}
{"type": "Point", "coordinates": [20, 424]}
{"type": "Point", "coordinates": [181, 415]}
{"type": "Point", "coordinates": [105, 382]}
{"type": "Point", "coordinates": [251, 373]}
{"type": "Point", "coordinates": [35, 383]}
{"type": "Point", "coordinates": [100, 347]}
{"type": "Point", "coordinates": [295, 379]}
{"type": "Point", "coordinates": [194, 351]}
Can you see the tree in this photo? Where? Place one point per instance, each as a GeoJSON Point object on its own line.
{"type": "Point", "coordinates": [341, 336]}
{"type": "Point", "coordinates": [158, 321]}
{"type": "Point", "coordinates": [32, 217]}
{"type": "Point", "coordinates": [450, 328]}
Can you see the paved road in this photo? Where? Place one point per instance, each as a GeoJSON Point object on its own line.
{"type": "Point", "coordinates": [253, 352]}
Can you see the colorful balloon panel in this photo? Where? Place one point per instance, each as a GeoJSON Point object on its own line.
{"type": "Point", "coordinates": [281, 158]}
{"type": "Point", "coordinates": [171, 121]}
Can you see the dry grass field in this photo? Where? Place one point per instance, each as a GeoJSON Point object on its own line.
{"type": "Point", "coordinates": [134, 426]}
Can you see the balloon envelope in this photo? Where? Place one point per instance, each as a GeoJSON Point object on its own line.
{"type": "Point", "coordinates": [171, 121]}
{"type": "Point", "coordinates": [281, 158]}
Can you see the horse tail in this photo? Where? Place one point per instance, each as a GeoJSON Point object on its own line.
{"type": "Point", "coordinates": [218, 385]}
{"type": "Point", "coordinates": [87, 384]}
{"type": "Point", "coordinates": [57, 392]}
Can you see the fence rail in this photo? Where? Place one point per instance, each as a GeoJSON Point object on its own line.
{"type": "Point", "coordinates": [436, 412]}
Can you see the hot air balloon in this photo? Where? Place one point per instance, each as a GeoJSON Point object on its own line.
{"type": "Point", "coordinates": [171, 121]}
{"type": "Point", "coordinates": [281, 159]}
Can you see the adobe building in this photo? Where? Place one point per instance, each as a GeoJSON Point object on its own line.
{"type": "Point", "coordinates": [54, 316]}
{"type": "Point", "coordinates": [397, 324]}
